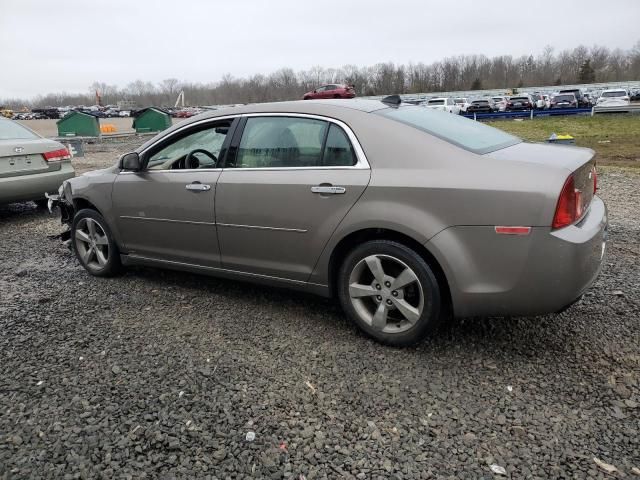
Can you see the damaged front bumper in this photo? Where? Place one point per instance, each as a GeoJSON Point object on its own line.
{"type": "Point", "coordinates": [62, 200]}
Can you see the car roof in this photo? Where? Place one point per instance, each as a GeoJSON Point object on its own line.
{"type": "Point", "coordinates": [299, 106]}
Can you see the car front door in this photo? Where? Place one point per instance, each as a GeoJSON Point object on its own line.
{"type": "Point", "coordinates": [287, 183]}
{"type": "Point", "coordinates": [167, 211]}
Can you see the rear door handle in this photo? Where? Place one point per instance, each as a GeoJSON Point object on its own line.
{"type": "Point", "coordinates": [328, 189]}
{"type": "Point", "coordinates": [198, 187]}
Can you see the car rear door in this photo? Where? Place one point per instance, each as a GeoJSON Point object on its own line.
{"type": "Point", "coordinates": [329, 91]}
{"type": "Point", "coordinates": [167, 211]}
{"type": "Point", "coordinates": [288, 182]}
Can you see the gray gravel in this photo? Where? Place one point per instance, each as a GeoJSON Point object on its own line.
{"type": "Point", "coordinates": [161, 374]}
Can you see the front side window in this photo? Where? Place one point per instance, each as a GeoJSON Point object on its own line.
{"type": "Point", "coordinates": [468, 134]}
{"type": "Point", "coordinates": [199, 149]}
{"type": "Point", "coordinates": [277, 142]}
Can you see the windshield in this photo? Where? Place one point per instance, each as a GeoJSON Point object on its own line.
{"type": "Point", "coordinates": [465, 133]}
{"type": "Point", "coordinates": [617, 93]}
{"type": "Point", "coordinates": [459, 100]}
{"type": "Point", "coordinates": [436, 102]}
{"type": "Point", "coordinates": [10, 130]}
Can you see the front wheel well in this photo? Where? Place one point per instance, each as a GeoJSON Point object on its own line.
{"type": "Point", "coordinates": [82, 203]}
{"type": "Point", "coordinates": [345, 245]}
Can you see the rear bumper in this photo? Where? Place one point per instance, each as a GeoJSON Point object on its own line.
{"type": "Point", "coordinates": [33, 187]}
{"type": "Point", "coordinates": [540, 273]}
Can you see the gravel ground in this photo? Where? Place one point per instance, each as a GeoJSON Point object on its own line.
{"type": "Point", "coordinates": [160, 374]}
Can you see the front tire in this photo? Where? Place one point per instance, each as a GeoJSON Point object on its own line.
{"type": "Point", "coordinates": [390, 292]}
{"type": "Point", "coordinates": [94, 245]}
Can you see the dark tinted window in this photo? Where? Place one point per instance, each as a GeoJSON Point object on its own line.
{"type": "Point", "coordinates": [338, 151]}
{"type": "Point", "coordinates": [564, 98]}
{"type": "Point", "coordinates": [468, 134]}
{"type": "Point", "coordinates": [330, 87]}
{"type": "Point", "coordinates": [277, 142]}
{"type": "Point", "coordinates": [618, 93]}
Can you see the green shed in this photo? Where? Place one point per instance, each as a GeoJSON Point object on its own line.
{"type": "Point", "coordinates": [151, 120]}
{"type": "Point", "coordinates": [78, 124]}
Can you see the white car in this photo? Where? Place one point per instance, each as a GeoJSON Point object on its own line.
{"type": "Point", "coordinates": [547, 101]}
{"type": "Point", "coordinates": [444, 104]}
{"type": "Point", "coordinates": [538, 101]}
{"type": "Point", "coordinates": [501, 103]}
{"type": "Point", "coordinates": [614, 98]}
{"type": "Point", "coordinates": [463, 103]}
{"type": "Point", "coordinates": [124, 113]}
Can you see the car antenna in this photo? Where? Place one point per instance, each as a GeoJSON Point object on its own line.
{"type": "Point", "coordinates": [392, 100]}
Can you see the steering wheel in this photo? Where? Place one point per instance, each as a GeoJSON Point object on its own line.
{"type": "Point", "coordinates": [192, 162]}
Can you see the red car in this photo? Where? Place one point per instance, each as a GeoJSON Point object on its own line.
{"type": "Point", "coordinates": [331, 91]}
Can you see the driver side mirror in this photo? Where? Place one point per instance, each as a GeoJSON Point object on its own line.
{"type": "Point", "coordinates": [131, 161]}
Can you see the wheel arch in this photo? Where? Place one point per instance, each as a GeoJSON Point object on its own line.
{"type": "Point", "coordinates": [347, 243]}
{"type": "Point", "coordinates": [80, 203]}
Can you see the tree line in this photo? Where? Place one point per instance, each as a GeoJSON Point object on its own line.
{"type": "Point", "coordinates": [464, 72]}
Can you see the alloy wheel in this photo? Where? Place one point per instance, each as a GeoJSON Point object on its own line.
{"type": "Point", "coordinates": [386, 293]}
{"type": "Point", "coordinates": [92, 244]}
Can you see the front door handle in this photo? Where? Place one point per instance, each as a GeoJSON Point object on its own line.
{"type": "Point", "coordinates": [328, 189]}
{"type": "Point", "coordinates": [198, 187]}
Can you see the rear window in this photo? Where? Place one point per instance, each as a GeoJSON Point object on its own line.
{"type": "Point", "coordinates": [481, 102]}
{"type": "Point", "coordinates": [619, 93]}
{"type": "Point", "coordinates": [465, 133]}
{"type": "Point", "coordinates": [13, 130]}
{"type": "Point", "coordinates": [564, 98]}
{"type": "Point", "coordinates": [436, 102]}
{"type": "Point", "coordinates": [459, 100]}
{"type": "Point", "coordinates": [519, 99]}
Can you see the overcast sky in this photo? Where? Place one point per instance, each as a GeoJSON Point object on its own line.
{"type": "Point", "coordinates": [65, 45]}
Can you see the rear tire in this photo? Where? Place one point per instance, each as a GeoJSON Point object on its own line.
{"type": "Point", "coordinates": [390, 292]}
{"type": "Point", "coordinates": [94, 245]}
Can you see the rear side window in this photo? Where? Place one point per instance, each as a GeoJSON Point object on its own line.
{"type": "Point", "coordinates": [280, 142]}
{"type": "Point", "coordinates": [10, 130]}
{"type": "Point", "coordinates": [338, 151]}
{"type": "Point", "coordinates": [465, 133]}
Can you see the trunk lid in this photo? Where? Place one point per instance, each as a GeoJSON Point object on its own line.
{"type": "Point", "coordinates": [24, 156]}
{"type": "Point", "coordinates": [578, 161]}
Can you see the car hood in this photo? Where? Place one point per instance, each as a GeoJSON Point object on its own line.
{"type": "Point", "coordinates": [561, 156]}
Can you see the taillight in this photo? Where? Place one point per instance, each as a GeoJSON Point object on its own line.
{"type": "Point", "coordinates": [57, 155]}
{"type": "Point", "coordinates": [594, 172]}
{"type": "Point", "coordinates": [566, 209]}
